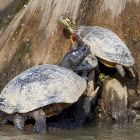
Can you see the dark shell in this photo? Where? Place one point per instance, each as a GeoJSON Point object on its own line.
{"type": "Point", "coordinates": [40, 86]}
{"type": "Point", "coordinates": [90, 62]}
{"type": "Point", "coordinates": [104, 44]}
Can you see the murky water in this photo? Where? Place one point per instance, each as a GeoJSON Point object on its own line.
{"type": "Point", "coordinates": [99, 131]}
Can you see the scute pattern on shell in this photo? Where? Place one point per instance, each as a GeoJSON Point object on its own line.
{"type": "Point", "coordinates": [40, 86]}
{"type": "Point", "coordinates": [105, 44]}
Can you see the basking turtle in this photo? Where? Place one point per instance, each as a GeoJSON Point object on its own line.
{"type": "Point", "coordinates": [26, 94]}
{"type": "Point", "coordinates": [104, 44]}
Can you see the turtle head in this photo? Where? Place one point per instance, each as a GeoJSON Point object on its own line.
{"type": "Point", "coordinates": [68, 23]}
{"type": "Point", "coordinates": [75, 57]}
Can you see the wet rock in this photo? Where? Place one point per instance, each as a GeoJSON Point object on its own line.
{"type": "Point", "coordinates": [136, 105]}
{"type": "Point", "coordinates": [132, 96]}
{"type": "Point", "coordinates": [114, 97]}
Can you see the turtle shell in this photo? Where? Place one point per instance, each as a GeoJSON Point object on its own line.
{"type": "Point", "coordinates": [40, 86]}
{"type": "Point", "coordinates": [90, 62]}
{"type": "Point", "coordinates": [104, 44]}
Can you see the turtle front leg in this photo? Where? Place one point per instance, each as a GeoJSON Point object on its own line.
{"type": "Point", "coordinates": [93, 93]}
{"type": "Point", "coordinates": [19, 121]}
{"type": "Point", "coordinates": [90, 88]}
{"type": "Point", "coordinates": [120, 69]}
{"type": "Point", "coordinates": [91, 75]}
{"type": "Point", "coordinates": [40, 118]}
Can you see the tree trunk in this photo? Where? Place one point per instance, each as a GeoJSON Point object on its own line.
{"type": "Point", "coordinates": [5, 3]}
{"type": "Point", "coordinates": [33, 34]}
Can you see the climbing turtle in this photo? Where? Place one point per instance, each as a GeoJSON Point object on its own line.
{"type": "Point", "coordinates": [87, 67]}
{"type": "Point", "coordinates": [75, 57]}
{"type": "Point", "coordinates": [26, 94]}
{"type": "Point", "coordinates": [90, 62]}
{"type": "Point", "coordinates": [104, 44]}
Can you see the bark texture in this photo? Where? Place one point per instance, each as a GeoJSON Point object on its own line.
{"type": "Point", "coordinates": [32, 34]}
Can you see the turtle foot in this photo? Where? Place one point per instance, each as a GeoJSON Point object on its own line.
{"type": "Point", "coordinates": [40, 125]}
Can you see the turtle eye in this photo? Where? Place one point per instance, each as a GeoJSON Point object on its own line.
{"type": "Point", "coordinates": [70, 22]}
{"type": "Point", "coordinates": [84, 48]}
{"type": "Point", "coordinates": [87, 47]}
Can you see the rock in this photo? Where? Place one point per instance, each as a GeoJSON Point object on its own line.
{"type": "Point", "coordinates": [136, 105]}
{"type": "Point", "coordinates": [132, 96]}
{"type": "Point", "coordinates": [114, 97]}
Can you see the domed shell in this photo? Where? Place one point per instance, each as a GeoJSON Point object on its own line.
{"type": "Point", "coordinates": [40, 86]}
{"type": "Point", "coordinates": [105, 44]}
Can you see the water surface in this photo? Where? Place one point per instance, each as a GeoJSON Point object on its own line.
{"type": "Point", "coordinates": [99, 131]}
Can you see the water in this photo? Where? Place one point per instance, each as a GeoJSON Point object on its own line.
{"type": "Point", "coordinates": [99, 131]}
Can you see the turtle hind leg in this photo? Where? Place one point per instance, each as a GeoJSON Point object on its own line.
{"type": "Point", "coordinates": [40, 118]}
{"type": "Point", "coordinates": [19, 121]}
{"type": "Point", "coordinates": [120, 69]}
{"type": "Point", "coordinates": [131, 71]}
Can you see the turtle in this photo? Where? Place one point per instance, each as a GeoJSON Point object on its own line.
{"type": "Point", "coordinates": [90, 63]}
{"type": "Point", "coordinates": [104, 44]}
{"type": "Point", "coordinates": [80, 113]}
{"type": "Point", "coordinates": [75, 57]}
{"type": "Point", "coordinates": [27, 93]}
{"type": "Point", "coordinates": [85, 69]}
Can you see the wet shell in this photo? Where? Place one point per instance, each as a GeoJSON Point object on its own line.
{"type": "Point", "coordinates": [104, 44]}
{"type": "Point", "coordinates": [40, 86]}
{"type": "Point", "coordinates": [90, 62]}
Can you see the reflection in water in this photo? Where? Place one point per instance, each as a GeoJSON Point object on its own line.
{"type": "Point", "coordinates": [99, 131]}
